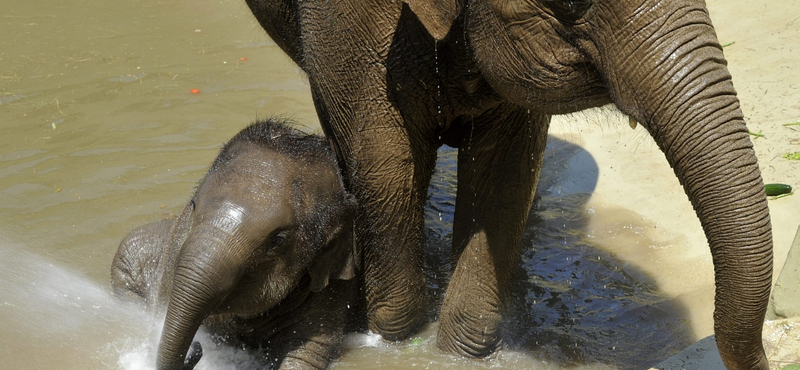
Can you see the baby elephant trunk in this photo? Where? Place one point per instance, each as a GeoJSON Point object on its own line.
{"type": "Point", "coordinates": [205, 272]}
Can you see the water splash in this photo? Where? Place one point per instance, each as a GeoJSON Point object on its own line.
{"type": "Point", "coordinates": [57, 318]}
{"type": "Point", "coordinates": [362, 340]}
{"type": "Point", "coordinates": [140, 354]}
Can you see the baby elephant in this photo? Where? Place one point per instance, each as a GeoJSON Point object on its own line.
{"type": "Point", "coordinates": [256, 256]}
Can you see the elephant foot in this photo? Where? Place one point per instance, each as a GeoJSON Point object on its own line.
{"type": "Point", "coordinates": [469, 333]}
{"type": "Point", "coordinates": [397, 321]}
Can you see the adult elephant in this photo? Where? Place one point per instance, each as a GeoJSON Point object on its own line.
{"type": "Point", "coordinates": [393, 80]}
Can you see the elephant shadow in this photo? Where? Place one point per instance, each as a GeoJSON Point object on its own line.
{"type": "Point", "coordinates": [573, 303]}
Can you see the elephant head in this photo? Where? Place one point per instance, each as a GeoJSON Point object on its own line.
{"type": "Point", "coordinates": [661, 63]}
{"type": "Point", "coordinates": [270, 210]}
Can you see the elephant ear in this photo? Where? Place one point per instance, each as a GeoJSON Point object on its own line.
{"type": "Point", "coordinates": [436, 15]}
{"type": "Point", "coordinates": [339, 257]}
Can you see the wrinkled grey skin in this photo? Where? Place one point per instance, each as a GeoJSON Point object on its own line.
{"type": "Point", "coordinates": [253, 256]}
{"type": "Point", "coordinates": [393, 80]}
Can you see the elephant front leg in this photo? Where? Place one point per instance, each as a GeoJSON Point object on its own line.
{"type": "Point", "coordinates": [311, 335]}
{"type": "Point", "coordinates": [498, 166]}
{"type": "Point", "coordinates": [372, 90]}
{"type": "Point", "coordinates": [391, 178]}
{"type": "Point", "coordinates": [388, 169]}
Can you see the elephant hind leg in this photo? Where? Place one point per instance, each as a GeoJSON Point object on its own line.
{"type": "Point", "coordinates": [498, 169]}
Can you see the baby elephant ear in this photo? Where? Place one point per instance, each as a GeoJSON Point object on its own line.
{"type": "Point", "coordinates": [436, 15]}
{"type": "Point", "coordinates": [339, 257]}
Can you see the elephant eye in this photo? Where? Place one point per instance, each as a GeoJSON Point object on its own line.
{"type": "Point", "coordinates": [568, 11]}
{"type": "Point", "coordinates": [279, 239]}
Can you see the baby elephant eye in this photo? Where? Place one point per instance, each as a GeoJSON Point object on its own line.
{"type": "Point", "coordinates": [279, 239]}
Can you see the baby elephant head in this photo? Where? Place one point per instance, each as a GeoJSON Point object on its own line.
{"type": "Point", "coordinates": [271, 209]}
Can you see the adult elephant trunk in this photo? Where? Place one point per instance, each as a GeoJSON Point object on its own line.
{"type": "Point", "coordinates": [665, 68]}
{"type": "Point", "coordinates": [205, 272]}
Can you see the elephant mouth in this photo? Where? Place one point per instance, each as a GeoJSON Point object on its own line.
{"type": "Point", "coordinates": [574, 93]}
{"type": "Point", "coordinates": [253, 295]}
{"type": "Point", "coordinates": [560, 87]}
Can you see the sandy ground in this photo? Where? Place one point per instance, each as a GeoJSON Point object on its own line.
{"type": "Point", "coordinates": [762, 53]}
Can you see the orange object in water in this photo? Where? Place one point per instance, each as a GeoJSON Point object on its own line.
{"type": "Point", "coordinates": [243, 59]}
{"type": "Point", "coordinates": [194, 91]}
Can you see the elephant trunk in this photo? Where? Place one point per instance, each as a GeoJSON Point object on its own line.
{"type": "Point", "coordinates": [204, 274]}
{"type": "Point", "coordinates": [676, 83]}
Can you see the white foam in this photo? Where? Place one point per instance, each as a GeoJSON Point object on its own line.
{"type": "Point", "coordinates": [141, 354]}
{"type": "Point", "coordinates": [361, 340]}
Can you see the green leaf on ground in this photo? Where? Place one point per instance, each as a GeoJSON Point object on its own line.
{"type": "Point", "coordinates": [792, 156]}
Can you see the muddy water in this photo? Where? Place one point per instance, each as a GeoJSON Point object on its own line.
{"type": "Point", "coordinates": [101, 132]}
